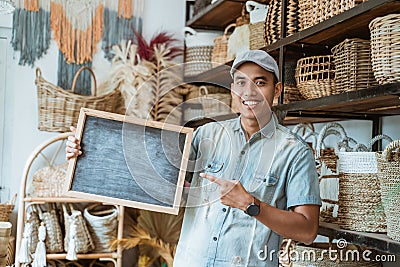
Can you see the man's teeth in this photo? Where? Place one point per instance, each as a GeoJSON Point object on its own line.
{"type": "Point", "coordinates": [250, 103]}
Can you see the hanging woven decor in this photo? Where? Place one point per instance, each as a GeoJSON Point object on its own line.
{"type": "Point", "coordinates": [77, 27]}
{"type": "Point", "coordinates": [31, 30]}
{"type": "Point", "coordinates": [121, 19]}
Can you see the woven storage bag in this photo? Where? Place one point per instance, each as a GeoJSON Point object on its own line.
{"type": "Point", "coordinates": [220, 49]}
{"type": "Point", "coordinates": [49, 181]}
{"type": "Point", "coordinates": [389, 179]}
{"type": "Point", "coordinates": [360, 205]}
{"type": "Point", "coordinates": [199, 47]}
{"type": "Point", "coordinates": [205, 104]}
{"type": "Point", "coordinates": [385, 52]}
{"type": "Point", "coordinates": [258, 13]}
{"type": "Point", "coordinates": [353, 68]}
{"type": "Point", "coordinates": [54, 238]}
{"type": "Point", "coordinates": [59, 108]}
{"type": "Point", "coordinates": [330, 255]}
{"type": "Point", "coordinates": [315, 76]}
{"type": "Point", "coordinates": [291, 92]}
{"type": "Point", "coordinates": [82, 237]}
{"type": "Point", "coordinates": [102, 224]}
{"type": "Point", "coordinates": [327, 159]}
{"type": "Point", "coordinates": [10, 252]}
{"type": "Point", "coordinates": [5, 232]}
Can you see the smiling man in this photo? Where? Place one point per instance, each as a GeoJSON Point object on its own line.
{"type": "Point", "coordinates": [252, 181]}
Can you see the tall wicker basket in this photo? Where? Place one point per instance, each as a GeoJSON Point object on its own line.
{"type": "Point", "coordinates": [220, 50]}
{"type": "Point", "coordinates": [389, 179]}
{"type": "Point", "coordinates": [59, 108]}
{"type": "Point", "coordinates": [353, 68]}
{"type": "Point", "coordinates": [385, 39]}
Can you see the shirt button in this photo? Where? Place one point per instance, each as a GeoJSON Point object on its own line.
{"type": "Point", "coordinates": [209, 165]}
{"type": "Point", "coordinates": [243, 152]}
{"type": "Point", "coordinates": [215, 238]}
{"type": "Point", "coordinates": [223, 209]}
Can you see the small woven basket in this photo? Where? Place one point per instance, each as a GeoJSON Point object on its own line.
{"type": "Point", "coordinates": [220, 49]}
{"type": "Point", "coordinates": [59, 108]}
{"type": "Point", "coordinates": [389, 179]}
{"type": "Point", "coordinates": [385, 39]}
{"type": "Point", "coordinates": [360, 205]}
{"type": "Point", "coordinates": [197, 59]}
{"type": "Point", "coordinates": [353, 68]}
{"type": "Point", "coordinates": [102, 224]}
{"type": "Point", "coordinates": [6, 209]}
{"type": "Point", "coordinates": [315, 76]}
{"type": "Point", "coordinates": [257, 35]}
{"type": "Point", "coordinates": [54, 237]}
{"type": "Point", "coordinates": [10, 252]}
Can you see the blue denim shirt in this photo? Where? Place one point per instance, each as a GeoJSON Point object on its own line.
{"type": "Point", "coordinates": [274, 165]}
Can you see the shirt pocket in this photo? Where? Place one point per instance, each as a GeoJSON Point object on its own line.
{"type": "Point", "coordinates": [263, 186]}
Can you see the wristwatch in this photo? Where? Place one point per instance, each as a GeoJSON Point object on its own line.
{"type": "Point", "coordinates": [253, 209]}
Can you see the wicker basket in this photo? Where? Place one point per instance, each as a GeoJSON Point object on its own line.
{"type": "Point", "coordinates": [207, 103]}
{"type": "Point", "coordinates": [102, 224]}
{"type": "Point", "coordinates": [353, 68]}
{"type": "Point", "coordinates": [54, 237]}
{"type": "Point", "coordinates": [5, 232]}
{"type": "Point", "coordinates": [220, 49]}
{"type": "Point", "coordinates": [257, 35]}
{"type": "Point", "coordinates": [389, 179]}
{"type": "Point", "coordinates": [291, 92]}
{"type": "Point", "coordinates": [360, 205]}
{"type": "Point", "coordinates": [312, 12]}
{"type": "Point", "coordinates": [10, 252]}
{"type": "Point", "coordinates": [315, 76]}
{"type": "Point", "coordinates": [330, 255]}
{"type": "Point", "coordinates": [385, 39]}
{"type": "Point", "coordinates": [6, 209]}
{"type": "Point", "coordinates": [59, 108]}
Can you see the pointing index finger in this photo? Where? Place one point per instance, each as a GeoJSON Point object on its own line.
{"type": "Point", "coordinates": [211, 178]}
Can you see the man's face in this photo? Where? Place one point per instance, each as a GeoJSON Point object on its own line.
{"type": "Point", "coordinates": [253, 91]}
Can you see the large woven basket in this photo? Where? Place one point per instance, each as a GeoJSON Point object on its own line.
{"type": "Point", "coordinates": [389, 179]}
{"type": "Point", "coordinates": [360, 205]}
{"type": "Point", "coordinates": [59, 109]}
{"type": "Point", "coordinates": [315, 76]}
{"type": "Point", "coordinates": [385, 54]}
{"type": "Point", "coordinates": [312, 12]}
{"type": "Point", "coordinates": [257, 35]}
{"type": "Point", "coordinates": [220, 50]}
{"type": "Point", "coordinates": [330, 255]}
{"type": "Point", "coordinates": [353, 68]}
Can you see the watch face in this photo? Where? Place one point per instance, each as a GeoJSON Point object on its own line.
{"type": "Point", "coordinates": [253, 210]}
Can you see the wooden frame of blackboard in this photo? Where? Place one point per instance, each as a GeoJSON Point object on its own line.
{"type": "Point", "coordinates": [74, 192]}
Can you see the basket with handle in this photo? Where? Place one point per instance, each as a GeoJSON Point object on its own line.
{"type": "Point", "coordinates": [102, 224]}
{"type": "Point", "coordinates": [360, 205]}
{"type": "Point", "coordinates": [353, 68]}
{"type": "Point", "coordinates": [385, 39]}
{"type": "Point", "coordinates": [389, 180]}
{"type": "Point", "coordinates": [327, 167]}
{"type": "Point", "coordinates": [315, 76]}
{"type": "Point", "coordinates": [220, 50]}
{"type": "Point", "coordinates": [54, 237]}
{"type": "Point", "coordinates": [59, 109]}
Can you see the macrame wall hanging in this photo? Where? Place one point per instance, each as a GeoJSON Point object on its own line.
{"type": "Point", "coordinates": [31, 29]}
{"type": "Point", "coordinates": [78, 26]}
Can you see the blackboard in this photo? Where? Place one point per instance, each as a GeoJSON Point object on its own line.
{"type": "Point", "coordinates": [129, 161]}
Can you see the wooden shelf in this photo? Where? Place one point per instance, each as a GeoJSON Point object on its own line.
{"type": "Point", "coordinates": [218, 15]}
{"type": "Point", "coordinates": [370, 103]}
{"type": "Point", "coordinates": [62, 256]}
{"type": "Point", "coordinates": [57, 200]}
{"type": "Point", "coordinates": [376, 241]}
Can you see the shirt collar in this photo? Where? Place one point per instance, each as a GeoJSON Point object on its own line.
{"type": "Point", "coordinates": [267, 131]}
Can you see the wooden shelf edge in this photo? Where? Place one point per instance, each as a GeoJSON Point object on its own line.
{"type": "Point", "coordinates": [62, 256]}
{"type": "Point", "coordinates": [377, 241]}
{"type": "Point", "coordinates": [57, 200]}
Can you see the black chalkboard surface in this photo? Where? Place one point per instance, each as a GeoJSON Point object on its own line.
{"type": "Point", "coordinates": [129, 161]}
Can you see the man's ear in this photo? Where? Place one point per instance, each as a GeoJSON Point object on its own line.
{"type": "Point", "coordinates": [278, 89]}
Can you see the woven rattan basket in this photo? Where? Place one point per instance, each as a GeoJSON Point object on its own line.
{"type": "Point", "coordinates": [315, 76]}
{"type": "Point", "coordinates": [385, 39]}
{"type": "Point", "coordinates": [257, 35]}
{"type": "Point", "coordinates": [10, 251]}
{"type": "Point", "coordinates": [220, 49]}
{"type": "Point", "coordinates": [312, 12]}
{"type": "Point", "coordinates": [360, 205]}
{"type": "Point", "coordinates": [353, 68]}
{"type": "Point", "coordinates": [389, 179]}
{"type": "Point", "coordinates": [59, 108]}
